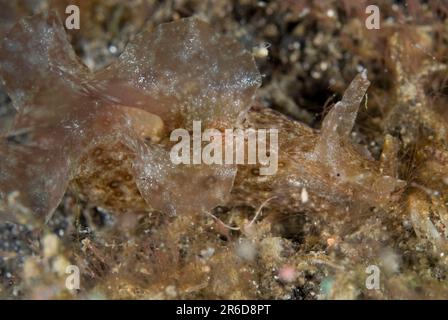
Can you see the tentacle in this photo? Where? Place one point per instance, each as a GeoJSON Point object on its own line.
{"type": "Point", "coordinates": [339, 122]}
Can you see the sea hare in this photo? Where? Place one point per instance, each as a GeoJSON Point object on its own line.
{"type": "Point", "coordinates": [95, 129]}
{"type": "Point", "coordinates": [105, 133]}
